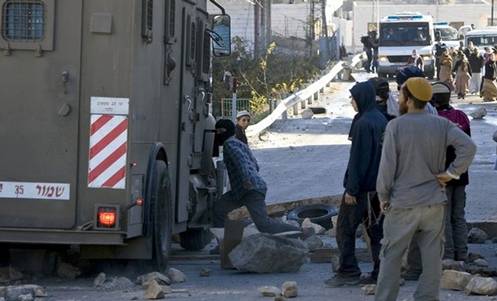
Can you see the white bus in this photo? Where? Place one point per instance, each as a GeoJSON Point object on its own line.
{"type": "Point", "coordinates": [485, 37]}
{"type": "Point", "coordinates": [400, 34]}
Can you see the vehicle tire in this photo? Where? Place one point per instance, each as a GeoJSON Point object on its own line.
{"type": "Point", "coordinates": [161, 205]}
{"type": "Point", "coordinates": [319, 214]}
{"type": "Point", "coordinates": [195, 239]}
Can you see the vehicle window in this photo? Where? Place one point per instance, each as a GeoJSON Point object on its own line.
{"type": "Point", "coordinates": [447, 34]}
{"type": "Point", "coordinates": [397, 34]}
{"type": "Point", "coordinates": [483, 40]}
{"type": "Point", "coordinates": [23, 21]}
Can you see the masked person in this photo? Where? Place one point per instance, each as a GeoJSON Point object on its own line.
{"type": "Point", "coordinates": [410, 185]}
{"type": "Point", "coordinates": [384, 100]}
{"type": "Point", "coordinates": [360, 204]}
{"type": "Point", "coordinates": [456, 231]}
{"type": "Point", "coordinates": [242, 122]}
{"type": "Point", "coordinates": [247, 186]}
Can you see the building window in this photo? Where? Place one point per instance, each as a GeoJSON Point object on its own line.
{"type": "Point", "coordinates": [23, 21]}
{"type": "Point", "coordinates": [148, 20]}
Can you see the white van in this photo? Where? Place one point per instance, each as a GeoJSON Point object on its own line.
{"type": "Point", "coordinates": [400, 34]}
{"type": "Point", "coordinates": [448, 34]}
{"type": "Point", "coordinates": [486, 37]}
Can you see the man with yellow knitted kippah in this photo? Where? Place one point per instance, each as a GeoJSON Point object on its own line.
{"type": "Point", "coordinates": [411, 188]}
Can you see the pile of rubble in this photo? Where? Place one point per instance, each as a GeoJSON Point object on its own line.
{"type": "Point", "coordinates": [155, 285]}
{"type": "Point", "coordinates": [289, 289]}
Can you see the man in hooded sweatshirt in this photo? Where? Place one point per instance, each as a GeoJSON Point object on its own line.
{"type": "Point", "coordinates": [247, 186]}
{"type": "Point", "coordinates": [360, 203]}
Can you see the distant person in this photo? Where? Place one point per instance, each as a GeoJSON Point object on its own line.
{"type": "Point", "coordinates": [410, 184]}
{"type": "Point", "coordinates": [461, 47]}
{"type": "Point", "coordinates": [476, 62]}
{"type": "Point", "coordinates": [446, 69]}
{"type": "Point", "coordinates": [486, 54]}
{"type": "Point", "coordinates": [489, 88]}
{"type": "Point", "coordinates": [242, 122]}
{"type": "Point", "coordinates": [368, 48]}
{"type": "Point", "coordinates": [415, 60]}
{"type": "Point", "coordinates": [247, 186]}
{"type": "Point", "coordinates": [360, 204]}
{"type": "Point", "coordinates": [439, 50]}
{"type": "Point", "coordinates": [463, 75]}
{"type": "Point", "coordinates": [375, 43]}
{"type": "Point", "coordinates": [456, 231]}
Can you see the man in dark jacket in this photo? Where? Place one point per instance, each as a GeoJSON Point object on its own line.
{"type": "Point", "coordinates": [456, 231]}
{"type": "Point", "coordinates": [360, 203]}
{"type": "Point", "coordinates": [247, 186]}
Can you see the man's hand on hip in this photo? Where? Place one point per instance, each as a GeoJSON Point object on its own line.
{"type": "Point", "coordinates": [350, 200]}
{"type": "Point", "coordinates": [443, 178]}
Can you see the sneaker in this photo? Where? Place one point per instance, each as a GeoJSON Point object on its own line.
{"type": "Point", "coordinates": [215, 250]}
{"type": "Point", "coordinates": [368, 280]}
{"type": "Point", "coordinates": [339, 281]}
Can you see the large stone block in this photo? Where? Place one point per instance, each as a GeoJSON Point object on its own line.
{"type": "Point", "coordinates": [265, 253]}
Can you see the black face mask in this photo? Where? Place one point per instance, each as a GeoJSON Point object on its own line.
{"type": "Point", "coordinates": [229, 130]}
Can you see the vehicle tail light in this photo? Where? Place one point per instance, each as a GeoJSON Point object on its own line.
{"type": "Point", "coordinates": [107, 217]}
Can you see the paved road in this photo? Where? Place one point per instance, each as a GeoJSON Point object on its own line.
{"type": "Point", "coordinates": [307, 158]}
{"type": "Point", "coordinates": [231, 285]}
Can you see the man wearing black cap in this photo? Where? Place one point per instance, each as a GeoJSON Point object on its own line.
{"type": "Point", "coordinates": [247, 186]}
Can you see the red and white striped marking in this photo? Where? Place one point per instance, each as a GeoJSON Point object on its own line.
{"type": "Point", "coordinates": [108, 150]}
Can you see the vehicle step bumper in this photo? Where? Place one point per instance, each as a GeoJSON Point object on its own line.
{"type": "Point", "coordinates": [64, 237]}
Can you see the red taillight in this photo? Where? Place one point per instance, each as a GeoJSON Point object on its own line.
{"type": "Point", "coordinates": [107, 217]}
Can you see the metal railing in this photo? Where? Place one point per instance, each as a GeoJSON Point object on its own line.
{"type": "Point", "coordinates": [242, 104]}
{"type": "Point", "coordinates": [305, 95]}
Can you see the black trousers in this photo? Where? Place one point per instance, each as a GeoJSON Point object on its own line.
{"type": "Point", "coordinates": [350, 217]}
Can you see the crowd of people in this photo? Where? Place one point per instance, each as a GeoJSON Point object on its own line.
{"type": "Point", "coordinates": [405, 182]}
{"type": "Point", "coordinates": [467, 70]}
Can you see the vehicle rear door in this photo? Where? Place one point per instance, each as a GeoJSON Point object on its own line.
{"type": "Point", "coordinates": [39, 101]}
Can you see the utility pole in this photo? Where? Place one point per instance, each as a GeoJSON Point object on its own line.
{"type": "Point", "coordinates": [263, 33]}
{"type": "Point", "coordinates": [324, 29]}
{"type": "Point", "coordinates": [311, 26]}
{"type": "Point", "coordinates": [492, 17]}
{"type": "Point", "coordinates": [257, 45]}
{"type": "Point", "coordinates": [268, 22]}
{"type": "Point", "coordinates": [378, 17]}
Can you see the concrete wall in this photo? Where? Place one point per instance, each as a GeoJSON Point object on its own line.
{"type": "Point", "coordinates": [477, 14]}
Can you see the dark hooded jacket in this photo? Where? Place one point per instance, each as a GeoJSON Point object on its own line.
{"type": "Point", "coordinates": [367, 136]}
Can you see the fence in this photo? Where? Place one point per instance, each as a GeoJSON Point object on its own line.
{"type": "Point", "coordinates": [305, 95]}
{"type": "Point", "coordinates": [242, 104]}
